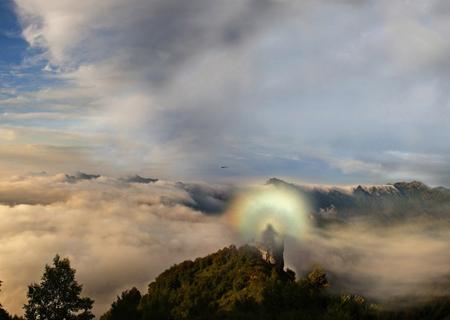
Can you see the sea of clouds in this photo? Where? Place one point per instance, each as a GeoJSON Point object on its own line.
{"type": "Point", "coordinates": [120, 234]}
{"type": "Point", "coordinates": [117, 234]}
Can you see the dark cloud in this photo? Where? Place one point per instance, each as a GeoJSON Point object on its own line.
{"type": "Point", "coordinates": [81, 176]}
{"type": "Point", "coordinates": [156, 37]}
{"type": "Point", "coordinates": [139, 179]}
{"type": "Point", "coordinates": [206, 198]}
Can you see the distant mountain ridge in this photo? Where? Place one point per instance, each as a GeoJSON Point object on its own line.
{"type": "Point", "coordinates": [138, 179]}
{"type": "Point", "coordinates": [390, 201]}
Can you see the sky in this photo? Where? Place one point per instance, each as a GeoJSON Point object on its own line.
{"type": "Point", "coordinates": [317, 91]}
{"type": "Point", "coordinates": [321, 91]}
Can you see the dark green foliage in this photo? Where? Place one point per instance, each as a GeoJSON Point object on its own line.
{"type": "Point", "coordinates": [435, 309]}
{"type": "Point", "coordinates": [125, 307]}
{"type": "Point", "coordinates": [217, 283]}
{"type": "Point", "coordinates": [57, 297]}
{"type": "Point", "coordinates": [3, 314]}
{"type": "Point", "coordinates": [237, 283]}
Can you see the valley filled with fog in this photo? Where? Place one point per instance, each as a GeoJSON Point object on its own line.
{"type": "Point", "coordinates": [123, 232]}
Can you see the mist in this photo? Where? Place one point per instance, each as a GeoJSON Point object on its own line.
{"type": "Point", "coordinates": [408, 261]}
{"type": "Point", "coordinates": [120, 234]}
{"type": "Point", "coordinates": [117, 235]}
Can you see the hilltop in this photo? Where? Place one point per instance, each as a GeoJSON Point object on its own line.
{"type": "Point", "coordinates": [238, 283]}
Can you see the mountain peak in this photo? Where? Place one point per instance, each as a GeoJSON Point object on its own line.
{"type": "Point", "coordinates": [271, 247]}
{"type": "Point", "coordinates": [412, 185]}
{"type": "Point", "coordinates": [275, 181]}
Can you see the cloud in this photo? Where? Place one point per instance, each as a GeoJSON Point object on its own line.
{"type": "Point", "coordinates": [8, 135]}
{"type": "Point", "coordinates": [17, 158]}
{"type": "Point", "coordinates": [120, 234]}
{"type": "Point", "coordinates": [404, 262]}
{"type": "Point", "coordinates": [116, 234]}
{"type": "Point", "coordinates": [208, 198]}
{"type": "Point", "coordinates": [178, 87]}
{"type": "Point", "coordinates": [145, 69]}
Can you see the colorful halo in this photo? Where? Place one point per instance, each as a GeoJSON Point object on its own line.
{"type": "Point", "coordinates": [285, 210]}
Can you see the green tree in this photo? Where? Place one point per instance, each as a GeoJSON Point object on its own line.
{"type": "Point", "coordinates": [4, 315]}
{"type": "Point", "coordinates": [125, 307]}
{"type": "Point", "coordinates": [57, 297]}
{"type": "Point", "coordinates": [317, 279]}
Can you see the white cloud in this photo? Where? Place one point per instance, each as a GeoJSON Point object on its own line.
{"type": "Point", "coordinates": [7, 134]}
{"type": "Point", "coordinates": [120, 234]}
{"type": "Point", "coordinates": [382, 262]}
{"type": "Point", "coordinates": [206, 81]}
{"type": "Point", "coordinates": [117, 235]}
